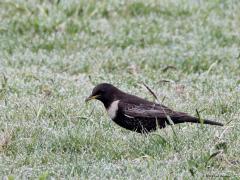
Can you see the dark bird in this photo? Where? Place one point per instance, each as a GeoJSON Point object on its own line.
{"type": "Point", "coordinates": [137, 114]}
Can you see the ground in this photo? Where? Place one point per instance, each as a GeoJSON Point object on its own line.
{"type": "Point", "coordinates": [52, 53]}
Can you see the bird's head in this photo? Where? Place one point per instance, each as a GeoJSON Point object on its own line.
{"type": "Point", "coordinates": [106, 93]}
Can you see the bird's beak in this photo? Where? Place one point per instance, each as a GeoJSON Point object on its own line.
{"type": "Point", "coordinates": [91, 97]}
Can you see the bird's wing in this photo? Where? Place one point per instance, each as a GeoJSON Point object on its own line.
{"type": "Point", "coordinates": [148, 111]}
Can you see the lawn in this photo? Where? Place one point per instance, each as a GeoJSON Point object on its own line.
{"type": "Point", "coordinates": [53, 52]}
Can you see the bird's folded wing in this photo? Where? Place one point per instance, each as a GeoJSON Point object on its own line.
{"type": "Point", "coordinates": [148, 111]}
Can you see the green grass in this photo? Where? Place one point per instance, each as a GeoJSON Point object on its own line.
{"type": "Point", "coordinates": [52, 53]}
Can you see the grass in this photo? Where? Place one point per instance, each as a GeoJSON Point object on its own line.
{"type": "Point", "coordinates": [52, 53]}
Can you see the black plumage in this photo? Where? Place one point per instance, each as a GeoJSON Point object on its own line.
{"type": "Point", "coordinates": [137, 114]}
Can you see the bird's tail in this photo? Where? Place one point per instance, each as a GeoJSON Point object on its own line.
{"type": "Point", "coordinates": [195, 120]}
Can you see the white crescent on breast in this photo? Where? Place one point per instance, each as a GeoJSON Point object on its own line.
{"type": "Point", "coordinates": [112, 109]}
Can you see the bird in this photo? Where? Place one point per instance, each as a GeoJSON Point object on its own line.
{"type": "Point", "coordinates": [137, 114]}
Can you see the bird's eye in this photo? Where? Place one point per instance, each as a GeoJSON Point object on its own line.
{"type": "Point", "coordinates": [100, 91]}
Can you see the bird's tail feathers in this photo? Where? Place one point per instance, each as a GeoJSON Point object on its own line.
{"type": "Point", "coordinates": [195, 120]}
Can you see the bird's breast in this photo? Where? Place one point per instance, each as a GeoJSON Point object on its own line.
{"type": "Point", "coordinates": [112, 109]}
